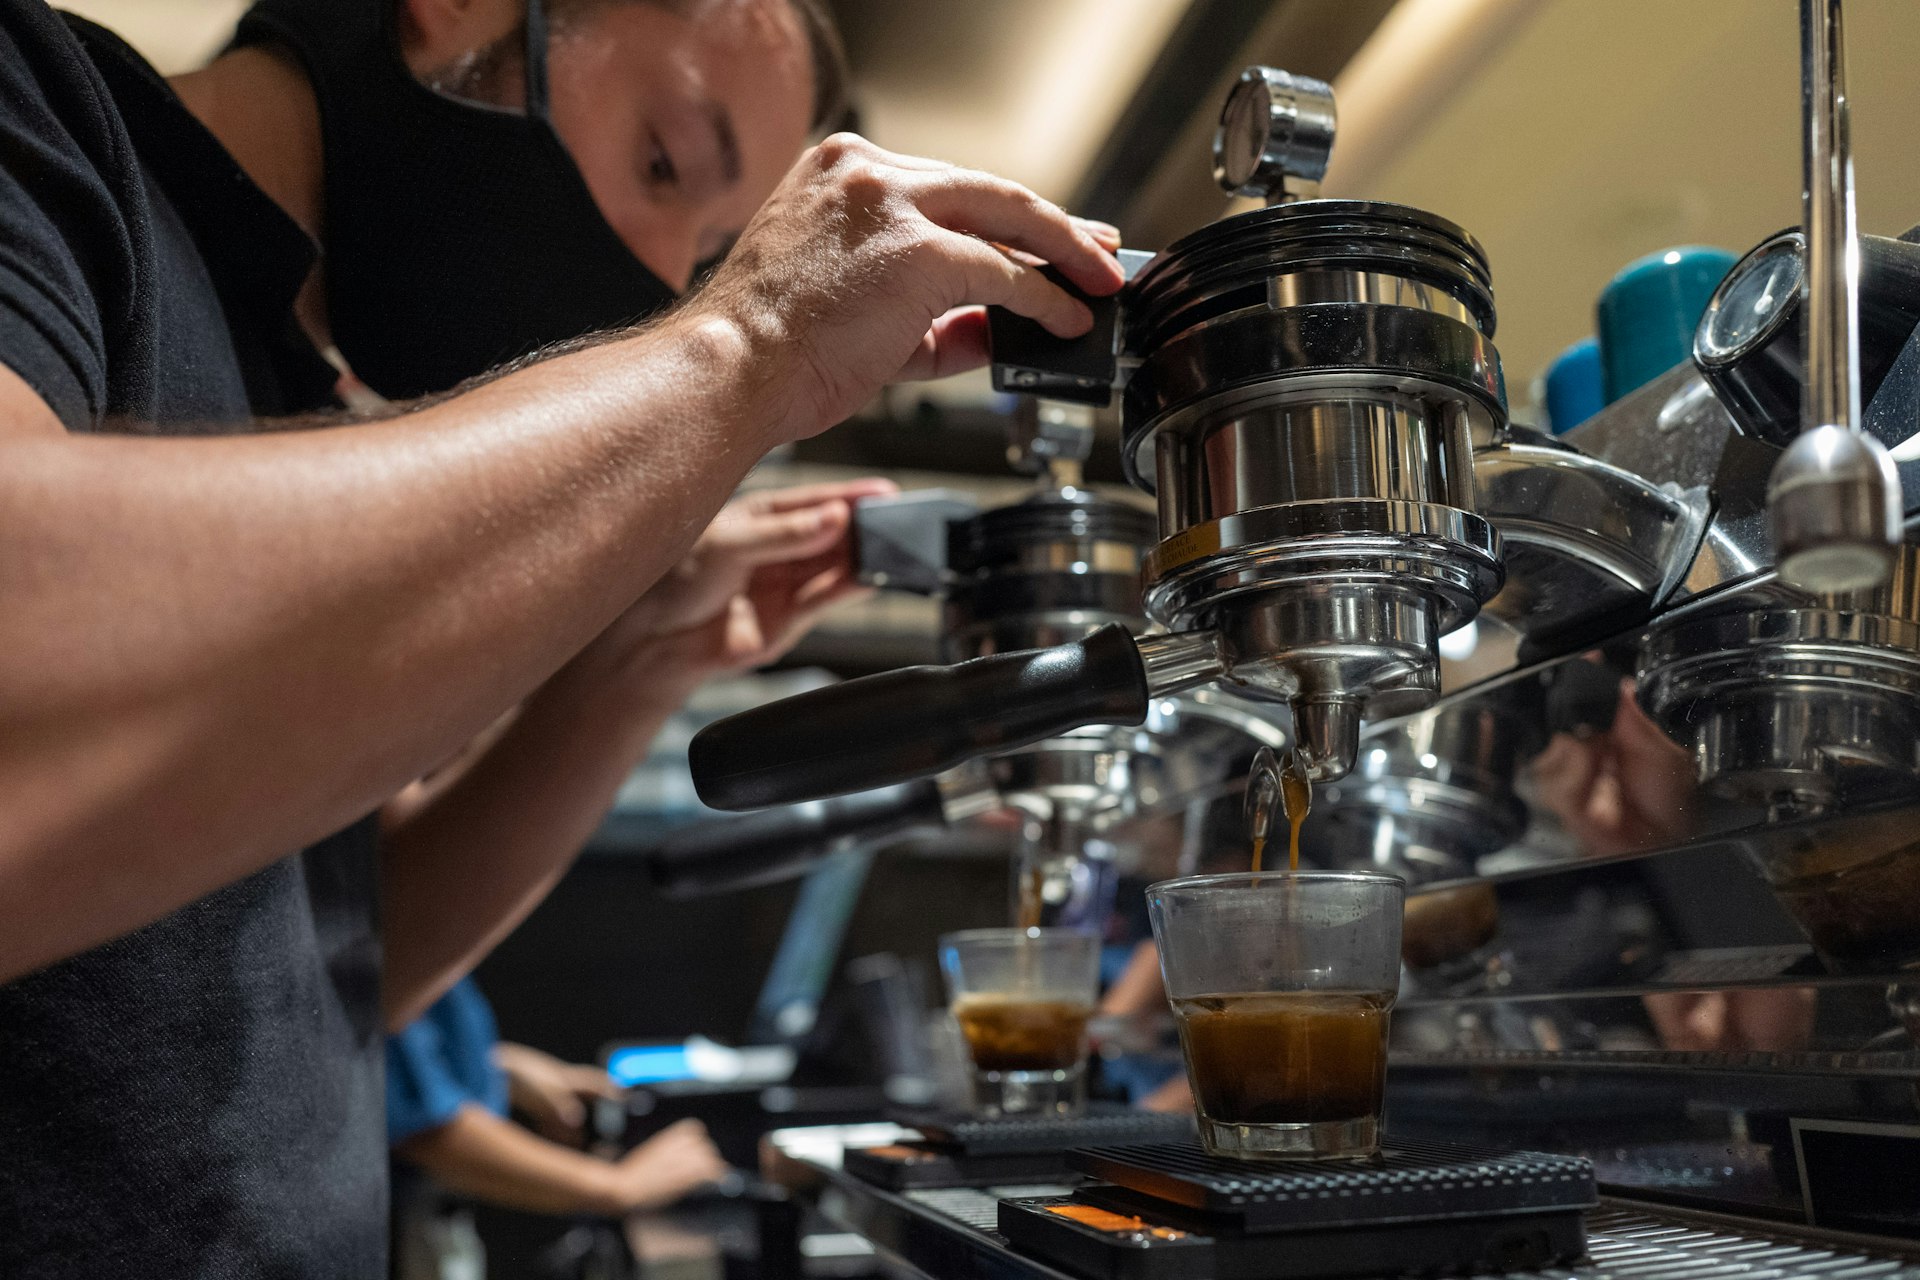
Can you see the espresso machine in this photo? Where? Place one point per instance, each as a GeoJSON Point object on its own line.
{"type": "Point", "coordinates": [1683, 806]}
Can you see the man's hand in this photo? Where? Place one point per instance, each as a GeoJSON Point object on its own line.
{"type": "Point", "coordinates": [756, 580]}
{"type": "Point", "coordinates": [850, 274]}
{"type": "Point", "coordinates": [679, 1159]}
{"type": "Point", "coordinates": [551, 1093]}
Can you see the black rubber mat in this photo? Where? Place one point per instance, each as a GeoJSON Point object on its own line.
{"type": "Point", "coordinates": [1409, 1182]}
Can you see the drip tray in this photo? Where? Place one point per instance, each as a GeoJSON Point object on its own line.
{"type": "Point", "coordinates": [1171, 1212]}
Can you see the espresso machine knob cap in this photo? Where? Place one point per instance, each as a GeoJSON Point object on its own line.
{"type": "Point", "coordinates": [1834, 502]}
{"type": "Point", "coordinates": [1275, 135]}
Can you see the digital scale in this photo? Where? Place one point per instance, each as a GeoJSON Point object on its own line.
{"type": "Point", "coordinates": [1169, 1211]}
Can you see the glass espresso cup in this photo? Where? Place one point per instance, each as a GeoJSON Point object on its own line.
{"type": "Point", "coordinates": [1022, 998]}
{"type": "Point", "coordinates": [1281, 983]}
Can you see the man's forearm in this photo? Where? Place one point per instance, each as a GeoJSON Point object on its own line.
{"type": "Point", "coordinates": [481, 1155]}
{"type": "Point", "coordinates": [221, 649]}
{"type": "Point", "coordinates": [460, 871]}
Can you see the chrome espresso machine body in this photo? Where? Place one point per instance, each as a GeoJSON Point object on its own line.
{"type": "Point", "coordinates": [1675, 789]}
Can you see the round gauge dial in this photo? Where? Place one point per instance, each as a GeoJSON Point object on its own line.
{"type": "Point", "coordinates": [1752, 302]}
{"type": "Point", "coordinates": [1245, 124]}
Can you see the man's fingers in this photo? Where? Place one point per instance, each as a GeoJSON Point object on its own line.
{"type": "Point", "coordinates": [779, 638]}
{"type": "Point", "coordinates": [991, 208]}
{"type": "Point", "coordinates": [807, 495]}
{"type": "Point", "coordinates": [751, 538]}
{"type": "Point", "coordinates": [989, 276]}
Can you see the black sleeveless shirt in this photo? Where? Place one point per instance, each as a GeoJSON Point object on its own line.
{"type": "Point", "coordinates": [202, 1097]}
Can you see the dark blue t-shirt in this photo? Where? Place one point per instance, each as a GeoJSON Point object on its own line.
{"type": "Point", "coordinates": [202, 1097]}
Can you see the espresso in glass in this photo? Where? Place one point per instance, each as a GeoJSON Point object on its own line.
{"type": "Point", "coordinates": [1282, 983]}
{"type": "Point", "coordinates": [1022, 999]}
{"type": "Point", "coordinates": [1280, 1058]}
{"type": "Point", "coordinates": [1009, 1032]}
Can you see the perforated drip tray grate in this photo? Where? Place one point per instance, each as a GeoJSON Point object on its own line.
{"type": "Point", "coordinates": [1011, 1135]}
{"type": "Point", "coordinates": [1408, 1182]}
{"type": "Point", "coordinates": [1626, 1245]}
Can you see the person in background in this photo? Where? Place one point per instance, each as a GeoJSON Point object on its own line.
{"type": "Point", "coordinates": [450, 1085]}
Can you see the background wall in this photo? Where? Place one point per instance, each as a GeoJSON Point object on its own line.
{"type": "Point", "coordinates": [1607, 129]}
{"type": "Point", "coordinates": [175, 35]}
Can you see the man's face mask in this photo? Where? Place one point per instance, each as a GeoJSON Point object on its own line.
{"type": "Point", "coordinates": [459, 234]}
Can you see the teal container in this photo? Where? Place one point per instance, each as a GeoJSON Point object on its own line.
{"type": "Point", "coordinates": [1647, 313]}
{"type": "Point", "coordinates": [1576, 389]}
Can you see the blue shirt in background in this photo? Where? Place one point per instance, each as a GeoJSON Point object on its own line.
{"type": "Point", "coordinates": [442, 1061]}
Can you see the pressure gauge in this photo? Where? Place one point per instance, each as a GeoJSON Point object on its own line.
{"type": "Point", "coordinates": [1274, 126]}
{"type": "Point", "coordinates": [1753, 301]}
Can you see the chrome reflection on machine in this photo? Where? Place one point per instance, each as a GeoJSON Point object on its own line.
{"type": "Point", "coordinates": [1795, 703]}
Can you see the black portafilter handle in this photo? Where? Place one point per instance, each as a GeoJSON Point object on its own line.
{"type": "Point", "coordinates": [754, 849]}
{"type": "Point", "coordinates": [916, 722]}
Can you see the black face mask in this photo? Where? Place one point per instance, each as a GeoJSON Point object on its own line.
{"type": "Point", "coordinates": [458, 236]}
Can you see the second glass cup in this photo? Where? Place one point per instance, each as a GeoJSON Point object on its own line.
{"type": "Point", "coordinates": [1022, 998]}
{"type": "Point", "coordinates": [1281, 983]}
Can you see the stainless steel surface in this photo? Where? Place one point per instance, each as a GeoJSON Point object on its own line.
{"type": "Point", "coordinates": [1043, 571]}
{"type": "Point", "coordinates": [1180, 661]}
{"type": "Point", "coordinates": [1275, 134]}
{"type": "Point", "coordinates": [1378, 288]}
{"type": "Point", "coordinates": [1310, 425]}
{"type": "Point", "coordinates": [1394, 447]}
{"type": "Point", "coordinates": [1051, 438]}
{"type": "Point", "coordinates": [1584, 541]}
{"type": "Point", "coordinates": [1428, 798]}
{"type": "Point", "coordinates": [1834, 505]}
{"type": "Point", "coordinates": [1793, 704]}
{"type": "Point", "coordinates": [966, 793]}
{"type": "Point", "coordinates": [1834, 498]}
{"type": "Point", "coordinates": [1094, 556]}
{"type": "Point", "coordinates": [1449, 555]}
{"type": "Point", "coordinates": [1831, 384]}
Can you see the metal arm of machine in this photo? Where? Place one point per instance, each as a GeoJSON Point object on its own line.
{"type": "Point", "coordinates": [1834, 498]}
